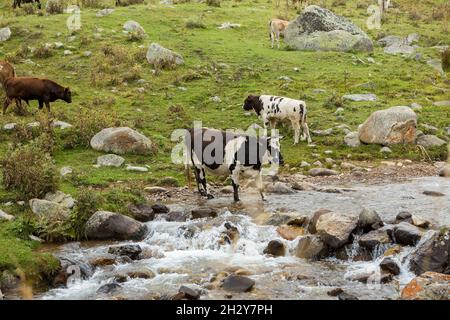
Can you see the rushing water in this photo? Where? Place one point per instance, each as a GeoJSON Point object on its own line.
{"type": "Point", "coordinates": [193, 252]}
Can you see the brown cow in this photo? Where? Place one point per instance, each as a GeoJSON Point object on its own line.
{"type": "Point", "coordinates": [43, 90]}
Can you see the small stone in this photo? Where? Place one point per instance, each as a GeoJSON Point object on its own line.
{"type": "Point", "coordinates": [433, 193]}
{"type": "Point", "coordinates": [154, 190]}
{"type": "Point", "coordinates": [110, 160]}
{"type": "Point", "coordinates": [189, 293]}
{"type": "Point", "coordinates": [237, 283]}
{"type": "Point", "coordinates": [290, 232]}
{"type": "Point", "coordinates": [317, 164]}
{"type": "Point", "coordinates": [136, 168]}
{"type": "Point", "coordinates": [200, 213]}
{"type": "Point", "coordinates": [415, 106]}
{"type": "Point", "coordinates": [9, 126]}
{"type": "Point", "coordinates": [320, 172]}
{"type": "Point", "coordinates": [67, 52]}
{"type": "Point", "coordinates": [275, 248]}
{"type": "Point", "coordinates": [385, 150]}
{"type": "Point", "coordinates": [389, 265]}
{"type": "Point", "coordinates": [304, 164]}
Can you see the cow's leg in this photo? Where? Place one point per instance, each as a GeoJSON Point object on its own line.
{"type": "Point", "coordinates": [261, 185]}
{"type": "Point", "coordinates": [273, 123]}
{"type": "Point", "coordinates": [305, 130]}
{"type": "Point", "coordinates": [278, 39]}
{"type": "Point", "coordinates": [234, 169]}
{"type": "Point", "coordinates": [5, 105]}
{"type": "Point", "coordinates": [41, 104]}
{"type": "Point", "coordinates": [47, 105]}
{"type": "Point", "coordinates": [272, 37]}
{"type": "Point", "coordinates": [296, 127]}
{"type": "Point", "coordinates": [201, 181]}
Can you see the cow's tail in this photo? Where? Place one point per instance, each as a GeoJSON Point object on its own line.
{"type": "Point", "coordinates": [303, 119]}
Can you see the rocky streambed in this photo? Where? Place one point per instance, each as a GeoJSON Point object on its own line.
{"type": "Point", "coordinates": [369, 243]}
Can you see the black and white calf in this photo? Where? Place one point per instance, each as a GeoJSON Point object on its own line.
{"type": "Point", "coordinates": [225, 153]}
{"type": "Point", "coordinates": [272, 109]}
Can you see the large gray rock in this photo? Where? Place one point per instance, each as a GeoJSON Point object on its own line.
{"type": "Point", "coordinates": [114, 226]}
{"type": "Point", "coordinates": [360, 97]}
{"type": "Point", "coordinates": [351, 139]}
{"type": "Point", "coordinates": [61, 198]}
{"type": "Point", "coordinates": [432, 253]}
{"type": "Point", "coordinates": [406, 234]}
{"type": "Point", "coordinates": [428, 286]}
{"type": "Point", "coordinates": [399, 45]}
{"type": "Point", "coordinates": [374, 238]}
{"type": "Point", "coordinates": [335, 228]}
{"type": "Point", "coordinates": [429, 141]}
{"type": "Point", "coordinates": [5, 34]}
{"type": "Point", "coordinates": [121, 140]}
{"type": "Point", "coordinates": [133, 26]}
{"type": "Point", "coordinates": [310, 247]}
{"type": "Point", "coordinates": [48, 208]}
{"type": "Point", "coordinates": [159, 56]}
{"type": "Point", "coordinates": [318, 29]}
{"type": "Point", "coordinates": [389, 126]}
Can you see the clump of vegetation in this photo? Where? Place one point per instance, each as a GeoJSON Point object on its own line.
{"type": "Point", "coordinates": [30, 171]}
{"type": "Point", "coordinates": [55, 6]}
{"type": "Point", "coordinates": [117, 200]}
{"type": "Point", "coordinates": [213, 3]}
{"type": "Point", "coordinates": [195, 24]}
{"type": "Point", "coordinates": [88, 202]}
{"type": "Point", "coordinates": [88, 123]}
{"type": "Point", "coordinates": [28, 8]}
{"type": "Point", "coordinates": [335, 101]}
{"type": "Point", "coordinates": [136, 35]}
{"type": "Point", "coordinates": [43, 51]}
{"type": "Point", "coordinates": [125, 3]}
{"type": "Point", "coordinates": [96, 4]}
{"type": "Point", "coordinates": [445, 56]}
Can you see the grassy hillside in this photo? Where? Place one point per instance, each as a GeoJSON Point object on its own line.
{"type": "Point", "coordinates": [229, 64]}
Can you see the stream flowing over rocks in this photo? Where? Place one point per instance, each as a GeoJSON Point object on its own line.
{"type": "Point", "coordinates": [370, 242]}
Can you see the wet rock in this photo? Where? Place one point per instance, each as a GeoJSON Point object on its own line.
{"type": "Point", "coordinates": [335, 292]}
{"type": "Point", "coordinates": [315, 217]}
{"type": "Point", "coordinates": [5, 216]}
{"type": "Point", "coordinates": [278, 219]}
{"type": "Point", "coordinates": [360, 97]}
{"type": "Point", "coordinates": [203, 213]}
{"type": "Point", "coordinates": [318, 29]}
{"type": "Point", "coordinates": [141, 274]}
{"type": "Point", "coordinates": [388, 264]}
{"type": "Point", "coordinates": [429, 141]}
{"type": "Point", "coordinates": [419, 222]}
{"type": "Point", "coordinates": [141, 212]}
{"type": "Point", "coordinates": [189, 293]}
{"type": "Point", "coordinates": [177, 216]}
{"type": "Point", "coordinates": [121, 140]}
{"type": "Point", "coordinates": [159, 56]}
{"type": "Point", "coordinates": [279, 188]}
{"type": "Point", "coordinates": [237, 283]}
{"type": "Point", "coordinates": [406, 234]}
{"type": "Point", "coordinates": [70, 267]}
{"type": "Point", "coordinates": [403, 216]}
{"type": "Point", "coordinates": [311, 247]}
{"type": "Point", "coordinates": [432, 253]}
{"type": "Point", "coordinates": [104, 260]}
{"type": "Point", "coordinates": [389, 126]}
{"type": "Point", "coordinates": [428, 286]}
{"type": "Point", "coordinates": [347, 296]}
{"type": "Point", "coordinates": [321, 172]}
{"type": "Point", "coordinates": [160, 208]}
{"type": "Point", "coordinates": [433, 193]}
{"type": "Point", "coordinates": [275, 248]}
{"type": "Point", "coordinates": [290, 232]}
{"type": "Point", "coordinates": [109, 288]}
{"type": "Point", "coordinates": [110, 160]}
{"type": "Point", "coordinates": [374, 238]}
{"type": "Point", "coordinates": [130, 250]}
{"type": "Point", "coordinates": [392, 251]}
{"type": "Point", "coordinates": [110, 225]}
{"type": "Point", "coordinates": [335, 228]}
{"type": "Point", "coordinates": [369, 220]}
{"type": "Point", "coordinates": [351, 139]}
{"type": "Point", "coordinates": [298, 220]}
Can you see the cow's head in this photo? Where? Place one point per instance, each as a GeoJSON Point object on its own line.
{"type": "Point", "coordinates": [67, 95]}
{"type": "Point", "coordinates": [274, 150]}
{"type": "Point", "coordinates": [253, 103]}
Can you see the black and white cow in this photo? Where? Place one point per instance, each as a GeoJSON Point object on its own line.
{"type": "Point", "coordinates": [224, 153]}
{"type": "Point", "coordinates": [272, 109]}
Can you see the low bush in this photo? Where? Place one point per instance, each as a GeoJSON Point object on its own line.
{"type": "Point", "coordinates": [55, 6]}
{"type": "Point", "coordinates": [88, 202]}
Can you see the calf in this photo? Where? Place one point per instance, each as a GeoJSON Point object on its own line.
{"type": "Point", "coordinates": [224, 153]}
{"type": "Point", "coordinates": [272, 109]}
{"type": "Point", "coordinates": [43, 90]}
{"type": "Point", "coordinates": [276, 29]}
{"type": "Point", "coordinates": [17, 3]}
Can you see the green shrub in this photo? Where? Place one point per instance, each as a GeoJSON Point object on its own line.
{"type": "Point", "coordinates": [195, 24]}
{"type": "Point", "coordinates": [446, 60]}
{"type": "Point", "coordinates": [213, 3]}
{"type": "Point", "coordinates": [55, 6]}
{"type": "Point", "coordinates": [29, 171]}
{"type": "Point", "coordinates": [43, 51]}
{"type": "Point", "coordinates": [125, 3]}
{"type": "Point", "coordinates": [28, 8]}
{"type": "Point", "coordinates": [335, 101]}
{"type": "Point", "coordinates": [88, 202]}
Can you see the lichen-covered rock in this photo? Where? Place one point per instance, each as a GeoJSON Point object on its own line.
{"type": "Point", "coordinates": [318, 29]}
{"type": "Point", "coordinates": [161, 57]}
{"type": "Point", "coordinates": [429, 141]}
{"type": "Point", "coordinates": [428, 286]}
{"type": "Point", "coordinates": [121, 140]}
{"type": "Point", "coordinates": [389, 126]}
{"type": "Point", "coordinates": [432, 253]}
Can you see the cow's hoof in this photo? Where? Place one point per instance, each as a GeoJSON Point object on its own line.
{"type": "Point", "coordinates": [210, 196]}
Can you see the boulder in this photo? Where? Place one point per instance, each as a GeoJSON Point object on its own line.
{"type": "Point", "coordinates": [133, 26]}
{"type": "Point", "coordinates": [318, 29]}
{"type": "Point", "coordinates": [199, 213]}
{"type": "Point", "coordinates": [110, 225]}
{"type": "Point", "coordinates": [374, 238]}
{"type": "Point", "coordinates": [159, 56]}
{"type": "Point", "coordinates": [48, 208]}
{"type": "Point", "coordinates": [61, 198]}
{"type": "Point", "coordinates": [369, 220]}
{"type": "Point", "coordinates": [109, 288]}
{"type": "Point", "coordinates": [389, 126]}
{"type": "Point", "coordinates": [335, 228]}
{"type": "Point", "coordinates": [141, 212]}
{"type": "Point", "coordinates": [351, 139]}
{"type": "Point", "coordinates": [311, 247]}
{"type": "Point", "coordinates": [110, 160]}
{"type": "Point", "coordinates": [160, 208]}
{"type": "Point", "coordinates": [5, 34]}
{"type": "Point", "coordinates": [103, 260]}
{"type": "Point", "coordinates": [429, 141]}
{"type": "Point", "coordinates": [67, 267]}
{"type": "Point", "coordinates": [275, 248]}
{"type": "Point", "coordinates": [189, 293]}
{"type": "Point", "coordinates": [406, 234]}
{"type": "Point", "coordinates": [130, 250]}
{"type": "Point", "coordinates": [121, 140]}
{"type": "Point", "coordinates": [360, 97]}
{"type": "Point", "coordinates": [432, 253]}
{"type": "Point", "coordinates": [237, 283]}
{"type": "Point", "coordinates": [428, 286]}
{"type": "Point", "coordinates": [313, 222]}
